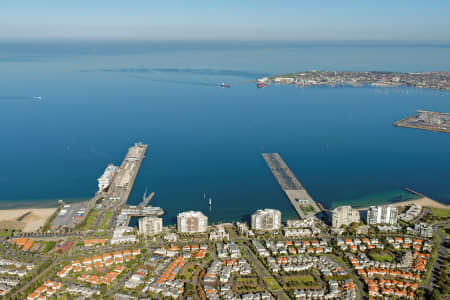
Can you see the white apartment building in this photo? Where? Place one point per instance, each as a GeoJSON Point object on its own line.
{"type": "Point", "coordinates": [344, 215]}
{"type": "Point", "coordinates": [266, 219]}
{"type": "Point", "coordinates": [382, 215]}
{"type": "Point", "coordinates": [149, 226]}
{"type": "Point", "coordinates": [192, 222]}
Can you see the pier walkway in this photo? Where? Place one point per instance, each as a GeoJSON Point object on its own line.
{"type": "Point", "coordinates": [302, 202]}
{"type": "Point", "coordinates": [124, 180]}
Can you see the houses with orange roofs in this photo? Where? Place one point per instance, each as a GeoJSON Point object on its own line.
{"type": "Point", "coordinates": [94, 242]}
{"type": "Point", "coordinates": [48, 289]}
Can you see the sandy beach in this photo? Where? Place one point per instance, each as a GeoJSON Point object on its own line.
{"type": "Point", "coordinates": [27, 220]}
{"type": "Point", "coordinates": [425, 201]}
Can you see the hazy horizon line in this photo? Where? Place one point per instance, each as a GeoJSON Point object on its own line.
{"type": "Point", "coordinates": [307, 41]}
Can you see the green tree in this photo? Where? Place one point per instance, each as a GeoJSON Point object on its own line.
{"type": "Point", "coordinates": [435, 295]}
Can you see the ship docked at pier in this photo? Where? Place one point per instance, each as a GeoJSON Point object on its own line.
{"type": "Point", "coordinates": [105, 180]}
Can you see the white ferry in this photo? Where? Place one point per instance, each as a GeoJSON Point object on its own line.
{"type": "Point", "coordinates": [105, 180]}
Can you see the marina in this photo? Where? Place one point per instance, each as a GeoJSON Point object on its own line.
{"type": "Point", "coordinates": [302, 202]}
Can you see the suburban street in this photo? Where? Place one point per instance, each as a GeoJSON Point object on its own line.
{"type": "Point", "coordinates": [440, 256]}
{"type": "Point", "coordinates": [263, 272]}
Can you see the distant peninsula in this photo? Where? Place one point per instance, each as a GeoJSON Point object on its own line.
{"type": "Point", "coordinates": [428, 80]}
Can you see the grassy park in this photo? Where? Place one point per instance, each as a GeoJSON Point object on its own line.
{"type": "Point", "coordinates": [248, 284]}
{"type": "Point", "coordinates": [441, 212]}
{"type": "Point", "coordinates": [294, 282]}
{"type": "Point", "coordinates": [380, 255]}
{"type": "Point", "coordinates": [307, 209]}
{"type": "Point", "coordinates": [90, 219]}
{"type": "Point", "coordinates": [271, 283]}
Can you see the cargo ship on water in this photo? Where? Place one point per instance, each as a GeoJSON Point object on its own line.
{"type": "Point", "coordinates": [106, 179]}
{"type": "Point", "coordinates": [223, 85]}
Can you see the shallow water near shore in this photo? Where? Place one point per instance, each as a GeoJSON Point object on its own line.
{"type": "Point", "coordinates": [339, 142]}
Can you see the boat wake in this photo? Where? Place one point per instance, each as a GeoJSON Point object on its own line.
{"type": "Point", "coordinates": [21, 98]}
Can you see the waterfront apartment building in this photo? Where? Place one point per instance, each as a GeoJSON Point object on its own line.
{"type": "Point", "coordinates": [192, 222]}
{"type": "Point", "coordinates": [382, 215]}
{"type": "Point", "coordinates": [266, 219]}
{"type": "Point", "coordinates": [424, 229]}
{"type": "Point", "coordinates": [344, 215]}
{"type": "Point", "coordinates": [149, 226]}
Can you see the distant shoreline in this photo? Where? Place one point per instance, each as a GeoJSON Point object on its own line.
{"type": "Point", "coordinates": [429, 80]}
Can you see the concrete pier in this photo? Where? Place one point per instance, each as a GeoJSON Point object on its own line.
{"type": "Point", "coordinates": [146, 201]}
{"type": "Point", "coordinates": [124, 180]}
{"type": "Point", "coordinates": [302, 202]}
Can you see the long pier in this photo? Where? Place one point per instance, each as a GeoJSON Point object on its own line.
{"type": "Point", "coordinates": [124, 180]}
{"type": "Point", "coordinates": [302, 202]}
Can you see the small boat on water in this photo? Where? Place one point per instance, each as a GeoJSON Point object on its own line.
{"type": "Point", "coordinates": [37, 97]}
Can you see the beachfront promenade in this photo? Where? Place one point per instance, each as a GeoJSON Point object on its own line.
{"type": "Point", "coordinates": [302, 202]}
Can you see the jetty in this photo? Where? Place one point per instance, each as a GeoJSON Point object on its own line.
{"type": "Point", "coordinates": [126, 175]}
{"type": "Point", "coordinates": [141, 210]}
{"type": "Point", "coordinates": [302, 202]}
{"type": "Point", "coordinates": [146, 200]}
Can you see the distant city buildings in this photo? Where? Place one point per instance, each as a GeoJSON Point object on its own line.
{"type": "Point", "coordinates": [430, 80]}
{"type": "Point", "coordinates": [382, 215]}
{"type": "Point", "coordinates": [266, 219]}
{"type": "Point", "coordinates": [192, 222]}
{"type": "Point", "coordinates": [149, 226]}
{"type": "Point", "coordinates": [433, 118]}
{"type": "Point", "coordinates": [344, 215]}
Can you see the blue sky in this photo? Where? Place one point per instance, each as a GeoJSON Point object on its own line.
{"type": "Point", "coordinates": [224, 20]}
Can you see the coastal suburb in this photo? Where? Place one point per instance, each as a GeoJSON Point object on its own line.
{"type": "Point", "coordinates": [91, 250]}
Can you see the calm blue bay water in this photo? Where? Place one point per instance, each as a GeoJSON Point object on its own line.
{"type": "Point", "coordinates": [101, 98]}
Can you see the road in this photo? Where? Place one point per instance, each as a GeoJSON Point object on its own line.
{"type": "Point", "coordinates": [354, 276]}
{"type": "Point", "coordinates": [196, 280]}
{"type": "Point", "coordinates": [263, 272]}
{"type": "Point", "coordinates": [37, 277]}
{"type": "Point", "coordinates": [442, 251]}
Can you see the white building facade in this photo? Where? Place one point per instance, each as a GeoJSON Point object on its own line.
{"type": "Point", "coordinates": [266, 219]}
{"type": "Point", "coordinates": [382, 215]}
{"type": "Point", "coordinates": [149, 226]}
{"type": "Point", "coordinates": [344, 215]}
{"type": "Point", "coordinates": [192, 222]}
